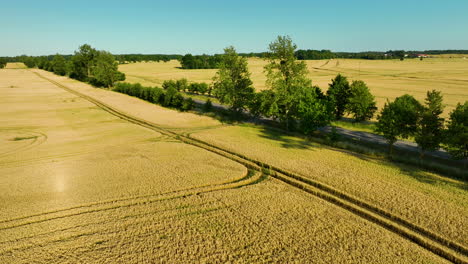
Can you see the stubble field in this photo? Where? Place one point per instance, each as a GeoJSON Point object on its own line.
{"type": "Point", "coordinates": [80, 185]}
{"type": "Point", "coordinates": [386, 79]}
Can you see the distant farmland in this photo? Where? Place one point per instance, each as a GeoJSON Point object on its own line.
{"type": "Point", "coordinates": [387, 79]}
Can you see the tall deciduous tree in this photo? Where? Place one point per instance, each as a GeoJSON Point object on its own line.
{"type": "Point", "coordinates": [361, 102]}
{"type": "Point", "coordinates": [286, 77]}
{"type": "Point", "coordinates": [105, 71]}
{"type": "Point", "coordinates": [430, 125]}
{"type": "Point", "coordinates": [232, 84]}
{"type": "Point", "coordinates": [339, 92]}
{"type": "Point", "coordinates": [398, 119]}
{"type": "Point", "coordinates": [82, 62]}
{"type": "Point", "coordinates": [456, 138]}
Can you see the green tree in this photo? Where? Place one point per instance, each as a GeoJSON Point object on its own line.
{"type": "Point", "coordinates": [398, 119]}
{"type": "Point", "coordinates": [82, 62]}
{"type": "Point", "coordinates": [286, 77]}
{"type": "Point", "coordinates": [188, 104]}
{"type": "Point", "coordinates": [105, 71]}
{"type": "Point", "coordinates": [339, 92]}
{"type": "Point", "coordinates": [181, 84]}
{"type": "Point", "coordinates": [429, 133]}
{"type": "Point", "coordinates": [361, 102]}
{"type": "Point", "coordinates": [232, 84]}
{"type": "Point", "coordinates": [59, 65]}
{"type": "Point", "coordinates": [456, 138]}
{"type": "Point", "coordinates": [263, 103]}
{"type": "Point", "coordinates": [3, 63]}
{"type": "Point", "coordinates": [313, 112]}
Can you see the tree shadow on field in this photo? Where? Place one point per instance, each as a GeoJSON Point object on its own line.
{"type": "Point", "coordinates": [426, 177]}
{"type": "Point", "coordinates": [288, 141]}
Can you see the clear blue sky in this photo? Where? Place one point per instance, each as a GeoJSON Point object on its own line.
{"type": "Point", "coordinates": [207, 26]}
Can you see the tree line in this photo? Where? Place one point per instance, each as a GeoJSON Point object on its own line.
{"type": "Point", "coordinates": [291, 98]}
{"type": "Point", "coordinates": [130, 58]}
{"type": "Point", "coordinates": [97, 67]}
{"type": "Point", "coordinates": [406, 117]}
{"type": "Point", "coordinates": [168, 97]}
{"type": "Point", "coordinates": [190, 61]}
{"type": "Point", "coordinates": [295, 102]}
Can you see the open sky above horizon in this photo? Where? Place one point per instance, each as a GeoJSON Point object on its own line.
{"type": "Point", "coordinates": [207, 26]}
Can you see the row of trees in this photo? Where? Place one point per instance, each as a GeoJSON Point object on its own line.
{"type": "Point", "coordinates": [182, 85]}
{"type": "Point", "coordinates": [406, 117]}
{"type": "Point", "coordinates": [314, 54]}
{"type": "Point", "coordinates": [128, 58]}
{"type": "Point", "coordinates": [291, 97]}
{"type": "Point", "coordinates": [295, 102]}
{"type": "Point", "coordinates": [169, 97]}
{"type": "Point", "coordinates": [190, 61]}
{"type": "Point", "coordinates": [97, 67]}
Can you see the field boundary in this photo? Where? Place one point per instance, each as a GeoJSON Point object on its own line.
{"type": "Point", "coordinates": [437, 244]}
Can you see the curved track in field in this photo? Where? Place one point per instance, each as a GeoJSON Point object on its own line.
{"type": "Point", "coordinates": [427, 239]}
{"type": "Point", "coordinates": [33, 139]}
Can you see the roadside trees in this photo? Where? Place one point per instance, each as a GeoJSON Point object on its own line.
{"type": "Point", "coordinates": [456, 138]}
{"type": "Point", "coordinates": [398, 119]}
{"type": "Point", "coordinates": [286, 78]}
{"type": "Point", "coordinates": [429, 132]}
{"type": "Point", "coordinates": [361, 103]}
{"type": "Point", "coordinates": [232, 84]}
{"type": "Point", "coordinates": [339, 92]}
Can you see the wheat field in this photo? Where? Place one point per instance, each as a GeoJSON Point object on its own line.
{"type": "Point", "coordinates": [426, 199]}
{"type": "Point", "coordinates": [387, 79]}
{"type": "Point", "coordinates": [80, 185]}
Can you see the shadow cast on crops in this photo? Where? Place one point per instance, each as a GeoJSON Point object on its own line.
{"type": "Point", "coordinates": [287, 141]}
{"type": "Point", "coordinates": [423, 176]}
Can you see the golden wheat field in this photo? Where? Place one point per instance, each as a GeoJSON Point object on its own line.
{"type": "Point", "coordinates": [427, 199]}
{"type": "Point", "coordinates": [386, 79]}
{"type": "Point", "coordinates": [80, 185]}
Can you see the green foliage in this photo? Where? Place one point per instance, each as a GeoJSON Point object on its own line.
{"type": "Point", "coordinates": [456, 138]}
{"type": "Point", "coordinates": [82, 62]}
{"type": "Point", "coordinates": [59, 65]}
{"type": "Point", "coordinates": [430, 127]}
{"type": "Point", "coordinates": [208, 106]}
{"type": "Point", "coordinates": [361, 102]}
{"type": "Point", "coordinates": [97, 67]}
{"type": "Point", "coordinates": [263, 104]}
{"type": "Point", "coordinates": [168, 84]}
{"type": "Point", "coordinates": [190, 61]}
{"type": "Point", "coordinates": [181, 84]}
{"type": "Point", "coordinates": [286, 77]}
{"type": "Point", "coordinates": [313, 112]}
{"type": "Point", "coordinates": [170, 97]}
{"type": "Point", "coordinates": [398, 119]}
{"type": "Point", "coordinates": [200, 88]}
{"type": "Point", "coordinates": [3, 63]}
{"type": "Point", "coordinates": [314, 54]}
{"type": "Point", "coordinates": [339, 92]}
{"type": "Point", "coordinates": [105, 70]}
{"type": "Point", "coordinates": [188, 104]}
{"type": "Point", "coordinates": [232, 84]}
